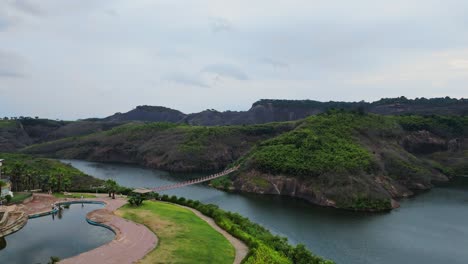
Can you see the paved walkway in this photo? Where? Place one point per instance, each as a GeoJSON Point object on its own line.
{"type": "Point", "coordinates": [131, 243]}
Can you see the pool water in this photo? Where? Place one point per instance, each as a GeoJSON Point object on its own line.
{"type": "Point", "coordinates": [64, 235]}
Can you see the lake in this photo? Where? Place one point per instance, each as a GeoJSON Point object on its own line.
{"type": "Point", "coordinates": [431, 228]}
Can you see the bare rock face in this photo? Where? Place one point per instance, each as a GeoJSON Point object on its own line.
{"type": "Point", "coordinates": [257, 182]}
{"type": "Point", "coordinates": [423, 142]}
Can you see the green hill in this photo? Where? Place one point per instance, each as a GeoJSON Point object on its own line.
{"type": "Point", "coordinates": [343, 159]}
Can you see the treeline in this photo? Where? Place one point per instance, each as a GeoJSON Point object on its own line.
{"type": "Point", "coordinates": [444, 126]}
{"type": "Point", "coordinates": [264, 246]}
{"type": "Point", "coordinates": [29, 173]}
{"type": "Point", "coordinates": [440, 101]}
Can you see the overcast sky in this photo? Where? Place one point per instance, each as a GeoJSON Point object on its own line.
{"type": "Point", "coordinates": [72, 59]}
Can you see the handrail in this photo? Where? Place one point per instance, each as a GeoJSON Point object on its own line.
{"type": "Point", "coordinates": [195, 181]}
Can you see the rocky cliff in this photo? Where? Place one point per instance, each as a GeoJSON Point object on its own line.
{"type": "Point", "coordinates": [342, 159]}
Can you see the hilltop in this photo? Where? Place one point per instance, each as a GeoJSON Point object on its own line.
{"type": "Point", "coordinates": [344, 159]}
{"type": "Point", "coordinates": [268, 110]}
{"type": "Point", "coordinates": [24, 131]}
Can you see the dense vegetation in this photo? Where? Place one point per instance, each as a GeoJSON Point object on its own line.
{"type": "Point", "coordinates": [28, 173]}
{"type": "Point", "coordinates": [165, 145]}
{"type": "Point", "coordinates": [435, 102]}
{"type": "Point", "coordinates": [347, 159]}
{"type": "Point", "coordinates": [355, 160]}
{"type": "Point", "coordinates": [264, 246]}
{"type": "Point", "coordinates": [322, 144]}
{"type": "Point", "coordinates": [444, 126]}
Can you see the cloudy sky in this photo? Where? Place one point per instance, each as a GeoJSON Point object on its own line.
{"type": "Point", "coordinates": [72, 59]}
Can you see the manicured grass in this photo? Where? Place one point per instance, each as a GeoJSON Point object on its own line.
{"type": "Point", "coordinates": [183, 237]}
{"type": "Point", "coordinates": [74, 195]}
{"type": "Point", "coordinates": [18, 197]}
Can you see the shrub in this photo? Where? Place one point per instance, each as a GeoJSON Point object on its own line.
{"type": "Point", "coordinates": [136, 200]}
{"type": "Point", "coordinates": [264, 246]}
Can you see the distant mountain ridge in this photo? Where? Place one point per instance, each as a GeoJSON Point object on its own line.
{"type": "Point", "coordinates": [148, 113]}
{"type": "Point", "coordinates": [24, 131]}
{"type": "Point", "coordinates": [270, 110]}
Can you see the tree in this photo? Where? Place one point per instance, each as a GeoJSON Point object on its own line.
{"type": "Point", "coordinates": [17, 173]}
{"type": "Point", "coordinates": [67, 182]}
{"type": "Point", "coordinates": [2, 184]}
{"type": "Point", "coordinates": [54, 260]}
{"type": "Point", "coordinates": [28, 179]}
{"type": "Point", "coordinates": [59, 181]}
{"type": "Point", "coordinates": [52, 182]}
{"type": "Point", "coordinates": [111, 187]}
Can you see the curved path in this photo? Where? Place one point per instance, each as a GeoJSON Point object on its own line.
{"type": "Point", "coordinates": [240, 247]}
{"type": "Point", "coordinates": [131, 243]}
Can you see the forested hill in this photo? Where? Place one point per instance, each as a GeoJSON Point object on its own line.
{"type": "Point", "coordinates": [23, 131]}
{"type": "Point", "coordinates": [345, 159]}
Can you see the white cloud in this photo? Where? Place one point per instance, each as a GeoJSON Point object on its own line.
{"type": "Point", "coordinates": [100, 57]}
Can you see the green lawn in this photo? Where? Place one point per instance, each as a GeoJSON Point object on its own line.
{"type": "Point", "coordinates": [74, 195]}
{"type": "Point", "coordinates": [183, 237]}
{"type": "Point", "coordinates": [18, 197]}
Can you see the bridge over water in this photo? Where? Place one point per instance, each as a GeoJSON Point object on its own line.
{"type": "Point", "coordinates": [194, 181]}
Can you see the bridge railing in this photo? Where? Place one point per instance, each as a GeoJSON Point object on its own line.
{"type": "Point", "coordinates": [195, 181]}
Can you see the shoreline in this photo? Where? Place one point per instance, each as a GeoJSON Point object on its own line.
{"type": "Point", "coordinates": [132, 241]}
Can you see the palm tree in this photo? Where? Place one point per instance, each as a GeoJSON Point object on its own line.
{"type": "Point", "coordinates": [111, 187]}
{"type": "Point", "coordinates": [17, 173]}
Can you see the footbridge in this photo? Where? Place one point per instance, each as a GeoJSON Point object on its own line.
{"type": "Point", "coordinates": [195, 181]}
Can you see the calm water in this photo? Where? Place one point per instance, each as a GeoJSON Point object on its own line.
{"type": "Point", "coordinates": [431, 228]}
{"type": "Point", "coordinates": [64, 235]}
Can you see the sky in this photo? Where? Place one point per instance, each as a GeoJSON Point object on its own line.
{"type": "Point", "coordinates": [71, 59]}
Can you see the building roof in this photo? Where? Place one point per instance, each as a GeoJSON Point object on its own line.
{"type": "Point", "coordinates": [142, 191]}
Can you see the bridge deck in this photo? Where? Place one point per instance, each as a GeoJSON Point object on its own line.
{"type": "Point", "coordinates": [194, 181]}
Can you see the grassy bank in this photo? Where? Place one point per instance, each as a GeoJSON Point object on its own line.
{"type": "Point", "coordinates": [264, 247]}
{"type": "Point", "coordinates": [19, 197]}
{"type": "Point", "coordinates": [183, 237]}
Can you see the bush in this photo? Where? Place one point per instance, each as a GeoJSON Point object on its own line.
{"type": "Point", "coordinates": [136, 200]}
{"type": "Point", "coordinates": [264, 246]}
{"type": "Point", "coordinates": [173, 199]}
